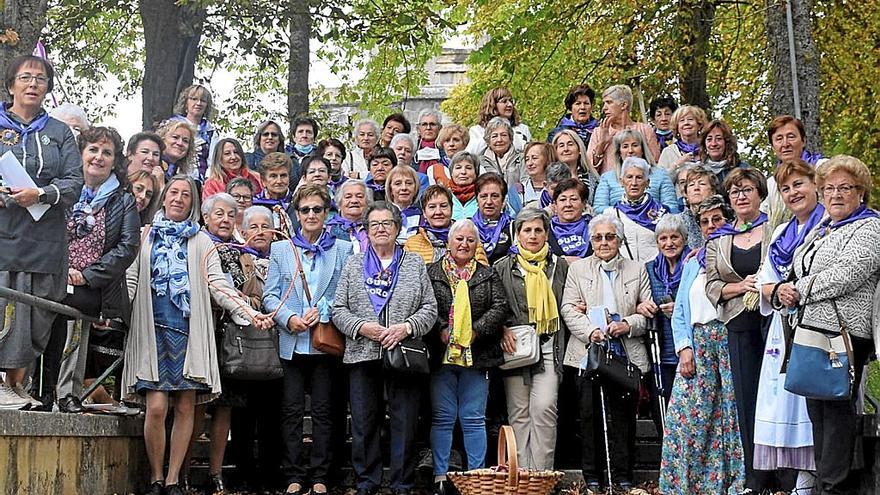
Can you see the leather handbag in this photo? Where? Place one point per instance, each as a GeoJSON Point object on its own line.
{"type": "Point", "coordinates": [248, 353]}
{"type": "Point", "coordinates": [528, 348]}
{"type": "Point", "coordinates": [610, 367]}
{"type": "Point", "coordinates": [409, 356]}
{"type": "Point", "coordinates": [325, 336]}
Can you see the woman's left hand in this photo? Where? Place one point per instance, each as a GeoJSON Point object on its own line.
{"type": "Point", "coordinates": [647, 309]}
{"type": "Point", "coordinates": [618, 328]}
{"type": "Point", "coordinates": [392, 335]}
{"type": "Point", "coordinates": [25, 196]}
{"type": "Point", "coordinates": [75, 277]}
{"type": "Point", "coordinates": [667, 309]}
{"type": "Point", "coordinates": [262, 321]}
{"type": "Point", "coordinates": [788, 295]}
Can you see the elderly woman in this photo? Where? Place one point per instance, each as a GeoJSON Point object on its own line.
{"type": "Point", "coordinates": [718, 149]}
{"type": "Point", "coordinates": [144, 188]}
{"type": "Point", "coordinates": [144, 152]}
{"type": "Point", "coordinates": [316, 171]}
{"type": "Point", "coordinates": [380, 162]}
{"type": "Point", "coordinates": [333, 150]}
{"type": "Point", "coordinates": [394, 124]}
{"type": "Point", "coordinates": [228, 162]}
{"type": "Point", "coordinates": [660, 111]}
{"type": "Point", "coordinates": [733, 257]}
{"type": "Point", "coordinates": [702, 450]}
{"type": "Point", "coordinates": [305, 129]}
{"type": "Point", "coordinates": [238, 264]}
{"type": "Point", "coordinates": [610, 189]}
{"type": "Point", "coordinates": [313, 265]}
{"type": "Point", "coordinates": [171, 347]}
{"type": "Point", "coordinates": [617, 106]}
{"type": "Point", "coordinates": [275, 177]}
{"type": "Point", "coordinates": [403, 192]}
{"type": "Point", "coordinates": [465, 345]}
{"type": "Point", "coordinates": [242, 191]}
{"type": "Point", "coordinates": [383, 296]}
{"type": "Point", "coordinates": [569, 232]}
{"type": "Point", "coordinates": [498, 102]}
{"type": "Point", "coordinates": [180, 149]}
{"type": "Point", "coordinates": [536, 157]}
{"type": "Point", "coordinates": [698, 184]}
{"type": "Point", "coordinates": [463, 177]}
{"type": "Point", "coordinates": [404, 147]}
{"type": "Point", "coordinates": [500, 155]}
{"type": "Point", "coordinates": [195, 106]}
{"type": "Point", "coordinates": [267, 139]}
{"type": "Point", "coordinates": [431, 240]}
{"type": "Point", "coordinates": [837, 264]}
{"type": "Point", "coordinates": [787, 137]}
{"type": "Point", "coordinates": [366, 137]}
{"type": "Point", "coordinates": [687, 126]}
{"type": "Point", "coordinates": [606, 280]}
{"type": "Point", "coordinates": [427, 153]}
{"type": "Point", "coordinates": [32, 245]}
{"type": "Point", "coordinates": [556, 173]}
{"type": "Point", "coordinates": [352, 198]}
{"type": "Point", "coordinates": [579, 103]}
{"type": "Point", "coordinates": [533, 280]}
{"type": "Point", "coordinates": [571, 151]}
{"type": "Point", "coordinates": [783, 432]}
{"type": "Point", "coordinates": [638, 211]}
{"type": "Point", "coordinates": [452, 139]}
{"type": "Point", "coordinates": [493, 218]}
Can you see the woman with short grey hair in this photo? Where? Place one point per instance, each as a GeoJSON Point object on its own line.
{"type": "Point", "coordinates": [352, 199]}
{"type": "Point", "coordinates": [617, 107]}
{"type": "Point", "coordinates": [500, 155]}
{"type": "Point", "coordinates": [532, 391]}
{"type": "Point", "coordinates": [638, 211]}
{"type": "Point", "coordinates": [383, 297]}
{"type": "Point", "coordinates": [366, 137]}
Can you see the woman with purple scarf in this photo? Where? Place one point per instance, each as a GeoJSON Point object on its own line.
{"type": "Point", "coordinates": [687, 126]}
{"type": "Point", "coordinates": [383, 297]}
{"type": "Point", "coordinates": [579, 102]}
{"type": "Point", "coordinates": [352, 198]}
{"type": "Point", "coordinates": [638, 211]}
{"type": "Point", "coordinates": [788, 138]}
{"type": "Point", "coordinates": [493, 220]}
{"type": "Point", "coordinates": [569, 232]}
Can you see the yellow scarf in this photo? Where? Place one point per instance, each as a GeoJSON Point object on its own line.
{"type": "Point", "coordinates": [539, 295]}
{"type": "Point", "coordinates": [461, 321]}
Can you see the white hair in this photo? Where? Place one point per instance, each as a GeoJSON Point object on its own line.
{"type": "Point", "coordinates": [671, 223]}
{"type": "Point", "coordinates": [221, 197]}
{"type": "Point", "coordinates": [69, 110]}
{"type": "Point", "coordinates": [430, 112]}
{"type": "Point", "coordinates": [495, 123]}
{"type": "Point", "coordinates": [621, 93]}
{"type": "Point", "coordinates": [464, 223]}
{"type": "Point", "coordinates": [255, 211]}
{"type": "Point", "coordinates": [636, 162]}
{"type": "Point", "coordinates": [340, 191]}
{"type": "Point", "coordinates": [370, 122]}
{"type": "Point", "coordinates": [401, 137]}
{"type": "Point", "coordinates": [607, 218]}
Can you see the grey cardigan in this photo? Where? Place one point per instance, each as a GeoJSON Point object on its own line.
{"type": "Point", "coordinates": [412, 300]}
{"type": "Point", "coordinates": [842, 267]}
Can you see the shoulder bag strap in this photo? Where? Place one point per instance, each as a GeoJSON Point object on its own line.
{"type": "Point", "coordinates": [625, 243]}
{"type": "Point", "coordinates": [847, 343]}
{"type": "Point", "coordinates": [302, 275]}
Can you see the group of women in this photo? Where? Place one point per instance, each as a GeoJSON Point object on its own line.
{"type": "Point", "coordinates": [439, 258]}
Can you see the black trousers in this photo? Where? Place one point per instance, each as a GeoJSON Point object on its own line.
{"type": "Point", "coordinates": [256, 444]}
{"type": "Point", "coordinates": [667, 375]}
{"type": "Point", "coordinates": [367, 382]}
{"type": "Point", "coordinates": [316, 373]}
{"type": "Point", "coordinates": [620, 413]}
{"type": "Point", "coordinates": [835, 432]}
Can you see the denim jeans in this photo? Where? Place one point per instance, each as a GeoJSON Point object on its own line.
{"type": "Point", "coordinates": [458, 393]}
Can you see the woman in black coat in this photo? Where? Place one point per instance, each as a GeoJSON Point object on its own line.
{"type": "Point", "coordinates": [471, 309]}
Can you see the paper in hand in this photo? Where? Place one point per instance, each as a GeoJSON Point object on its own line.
{"type": "Point", "coordinates": [599, 318]}
{"type": "Point", "coordinates": [15, 175]}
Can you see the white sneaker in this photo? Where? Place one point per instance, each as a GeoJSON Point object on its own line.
{"type": "Point", "coordinates": [19, 391]}
{"type": "Point", "coordinates": [9, 399]}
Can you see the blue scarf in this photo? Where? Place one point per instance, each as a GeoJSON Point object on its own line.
{"type": "Point", "coordinates": [582, 130]}
{"type": "Point", "coordinates": [304, 150]}
{"type": "Point", "coordinates": [440, 234]}
{"type": "Point", "coordinates": [672, 280]}
{"type": "Point", "coordinates": [490, 234]}
{"type": "Point", "coordinates": [380, 282]}
{"type": "Point", "coordinates": [412, 210]}
{"type": "Point", "coordinates": [647, 213]}
{"type": "Point", "coordinates": [169, 273]}
{"type": "Point", "coordinates": [325, 243]}
{"type": "Point", "coordinates": [781, 251]}
{"type": "Point", "coordinates": [729, 229]}
{"type": "Point", "coordinates": [262, 199]}
{"type": "Point", "coordinates": [685, 148]}
{"type": "Point", "coordinates": [862, 212]}
{"type": "Point", "coordinates": [811, 158]}
{"type": "Point", "coordinates": [546, 198]}
{"type": "Point", "coordinates": [36, 125]}
{"type": "Point", "coordinates": [573, 238]}
{"type": "Point", "coordinates": [90, 203]}
{"type": "Point", "coordinates": [355, 229]}
{"type": "Point", "coordinates": [663, 137]}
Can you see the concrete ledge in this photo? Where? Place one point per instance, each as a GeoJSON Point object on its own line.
{"type": "Point", "coordinates": [39, 424]}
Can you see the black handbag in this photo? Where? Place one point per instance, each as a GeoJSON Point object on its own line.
{"type": "Point", "coordinates": [248, 353]}
{"type": "Point", "coordinates": [612, 368]}
{"type": "Point", "coordinates": [409, 356]}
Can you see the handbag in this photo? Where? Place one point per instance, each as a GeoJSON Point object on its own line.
{"type": "Point", "coordinates": [248, 353]}
{"type": "Point", "coordinates": [528, 348]}
{"type": "Point", "coordinates": [618, 370]}
{"type": "Point", "coordinates": [325, 336]}
{"type": "Point", "coordinates": [409, 356]}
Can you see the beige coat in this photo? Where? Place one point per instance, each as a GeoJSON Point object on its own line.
{"type": "Point", "coordinates": [720, 272]}
{"type": "Point", "coordinates": [200, 364]}
{"type": "Point", "coordinates": [631, 287]}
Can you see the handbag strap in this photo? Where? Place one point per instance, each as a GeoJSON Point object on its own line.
{"type": "Point", "coordinates": [844, 333]}
{"type": "Point", "coordinates": [302, 275]}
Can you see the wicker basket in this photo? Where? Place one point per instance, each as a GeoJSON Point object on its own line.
{"type": "Point", "coordinates": [514, 481]}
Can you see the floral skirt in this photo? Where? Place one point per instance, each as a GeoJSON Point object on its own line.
{"type": "Point", "coordinates": [702, 449]}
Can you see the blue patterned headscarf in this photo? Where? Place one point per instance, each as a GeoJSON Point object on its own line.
{"type": "Point", "coordinates": [169, 271]}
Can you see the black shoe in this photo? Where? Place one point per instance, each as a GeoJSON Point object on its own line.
{"type": "Point", "coordinates": [592, 486]}
{"type": "Point", "coordinates": [70, 404]}
{"type": "Point", "coordinates": [174, 489]}
{"type": "Point", "coordinates": [155, 488]}
{"type": "Point", "coordinates": [426, 460]}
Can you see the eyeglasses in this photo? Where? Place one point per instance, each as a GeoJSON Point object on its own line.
{"type": "Point", "coordinates": [270, 134]}
{"type": "Point", "coordinates": [843, 189]}
{"type": "Point", "coordinates": [601, 237]}
{"type": "Point", "coordinates": [196, 98]}
{"type": "Point", "coordinates": [735, 193]}
{"type": "Point", "coordinates": [27, 77]}
{"type": "Point", "coordinates": [242, 197]}
{"type": "Point", "coordinates": [428, 125]}
{"type": "Point", "coordinates": [385, 224]}
{"type": "Point", "coordinates": [304, 210]}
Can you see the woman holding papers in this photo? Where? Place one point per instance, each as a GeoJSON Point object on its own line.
{"type": "Point", "coordinates": [32, 221]}
{"type": "Point", "coordinates": [612, 286]}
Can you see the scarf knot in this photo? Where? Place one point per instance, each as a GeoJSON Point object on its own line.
{"type": "Point", "coordinates": [540, 299]}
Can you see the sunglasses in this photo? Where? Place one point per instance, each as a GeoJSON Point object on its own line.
{"type": "Point", "coordinates": [304, 210]}
{"type": "Point", "coordinates": [270, 134]}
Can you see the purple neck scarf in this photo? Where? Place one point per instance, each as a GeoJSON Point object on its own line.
{"type": "Point", "coordinates": [811, 158]}
{"type": "Point", "coordinates": [355, 229]}
{"type": "Point", "coordinates": [862, 212]}
{"type": "Point", "coordinates": [36, 125]}
{"type": "Point", "coordinates": [646, 213]}
{"type": "Point", "coordinates": [490, 234]}
{"type": "Point", "coordinates": [685, 148]}
{"type": "Point", "coordinates": [546, 198]}
{"type": "Point", "coordinates": [582, 130]}
{"type": "Point", "coordinates": [241, 248]}
{"type": "Point", "coordinates": [670, 280]}
{"type": "Point", "coordinates": [440, 234]}
{"type": "Point", "coordinates": [573, 238]}
{"type": "Point", "coordinates": [729, 229]}
{"type": "Point", "coordinates": [324, 243]}
{"type": "Point", "coordinates": [262, 199]}
{"type": "Point", "coordinates": [376, 187]}
{"type": "Point", "coordinates": [380, 282]}
{"type": "Point", "coordinates": [781, 251]}
{"type": "Point", "coordinates": [663, 137]}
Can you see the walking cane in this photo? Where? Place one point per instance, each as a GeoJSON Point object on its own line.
{"type": "Point", "coordinates": [609, 490]}
{"type": "Point", "coordinates": [658, 382]}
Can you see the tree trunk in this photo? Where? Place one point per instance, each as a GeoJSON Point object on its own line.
{"type": "Point", "coordinates": [298, 63]}
{"type": "Point", "coordinates": [21, 22]}
{"type": "Point", "coordinates": [694, 23]}
{"type": "Point", "coordinates": [171, 39]}
{"type": "Point", "coordinates": [807, 61]}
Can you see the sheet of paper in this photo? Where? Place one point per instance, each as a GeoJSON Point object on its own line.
{"type": "Point", "coordinates": [15, 175]}
{"type": "Point", "coordinates": [597, 316]}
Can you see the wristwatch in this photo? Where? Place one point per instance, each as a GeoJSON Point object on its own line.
{"type": "Point", "coordinates": [42, 193]}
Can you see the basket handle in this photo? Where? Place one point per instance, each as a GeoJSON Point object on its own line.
{"type": "Point", "coordinates": [507, 455]}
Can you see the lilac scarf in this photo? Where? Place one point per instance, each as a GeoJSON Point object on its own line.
{"type": "Point", "coordinates": [34, 126]}
{"type": "Point", "coordinates": [670, 280]}
{"type": "Point", "coordinates": [490, 234]}
{"type": "Point", "coordinates": [781, 251]}
{"type": "Point", "coordinates": [685, 148]}
{"type": "Point", "coordinates": [262, 199]}
{"type": "Point", "coordinates": [573, 238]}
{"type": "Point", "coordinates": [241, 248]}
{"type": "Point", "coordinates": [647, 213]}
{"type": "Point", "coordinates": [355, 229]}
{"type": "Point", "coordinates": [582, 130]}
{"type": "Point", "coordinates": [663, 137]}
{"type": "Point", "coordinates": [325, 242]}
{"type": "Point", "coordinates": [380, 282]}
{"type": "Point", "coordinates": [546, 198]}
{"type": "Point", "coordinates": [862, 212]}
{"type": "Point", "coordinates": [729, 229]}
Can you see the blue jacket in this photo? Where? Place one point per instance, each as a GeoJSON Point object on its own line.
{"type": "Point", "coordinates": [322, 285]}
{"type": "Point", "coordinates": [666, 341]}
{"type": "Point", "coordinates": [609, 191]}
{"type": "Point", "coordinates": [682, 330]}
